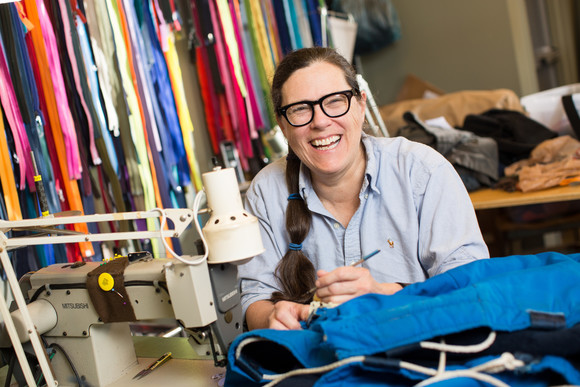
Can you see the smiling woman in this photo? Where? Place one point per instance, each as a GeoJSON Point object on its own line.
{"type": "Point", "coordinates": [341, 194]}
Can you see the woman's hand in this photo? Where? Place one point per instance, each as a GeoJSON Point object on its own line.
{"type": "Point", "coordinates": [345, 283]}
{"type": "Point", "coordinates": [282, 315]}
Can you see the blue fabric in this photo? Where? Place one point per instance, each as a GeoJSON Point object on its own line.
{"type": "Point", "coordinates": [314, 19]}
{"type": "Point", "coordinates": [174, 149]}
{"type": "Point", "coordinates": [499, 293]}
{"type": "Point", "coordinates": [292, 24]}
{"type": "Point", "coordinates": [486, 293]}
{"type": "Point", "coordinates": [283, 32]}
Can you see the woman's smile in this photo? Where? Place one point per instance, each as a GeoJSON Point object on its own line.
{"type": "Point", "coordinates": [327, 143]}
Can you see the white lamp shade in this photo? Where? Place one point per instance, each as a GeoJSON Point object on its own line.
{"type": "Point", "coordinates": [232, 234]}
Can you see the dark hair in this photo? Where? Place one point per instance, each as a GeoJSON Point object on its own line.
{"type": "Point", "coordinates": [295, 272]}
{"type": "Point", "coordinates": [304, 57]}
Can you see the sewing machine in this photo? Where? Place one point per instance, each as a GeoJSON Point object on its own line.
{"type": "Point", "coordinates": [83, 309]}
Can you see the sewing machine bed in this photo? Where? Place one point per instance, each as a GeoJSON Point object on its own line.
{"type": "Point", "coordinates": [186, 368]}
{"type": "Point", "coordinates": [175, 373]}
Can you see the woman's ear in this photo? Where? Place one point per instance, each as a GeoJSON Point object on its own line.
{"type": "Point", "coordinates": [363, 101]}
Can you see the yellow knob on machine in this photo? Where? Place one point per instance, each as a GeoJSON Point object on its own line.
{"type": "Point", "coordinates": [106, 281]}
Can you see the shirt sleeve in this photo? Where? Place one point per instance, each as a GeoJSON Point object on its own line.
{"type": "Point", "coordinates": [257, 280]}
{"type": "Point", "coordinates": [449, 233]}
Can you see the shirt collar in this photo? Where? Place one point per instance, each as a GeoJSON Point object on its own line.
{"type": "Point", "coordinates": [371, 172]}
{"type": "Point", "coordinates": [305, 182]}
{"type": "Point", "coordinates": [372, 169]}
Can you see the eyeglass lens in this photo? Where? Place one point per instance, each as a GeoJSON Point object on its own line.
{"type": "Point", "coordinates": [333, 105]}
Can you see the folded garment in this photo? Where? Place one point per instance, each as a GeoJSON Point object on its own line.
{"type": "Point", "coordinates": [553, 162]}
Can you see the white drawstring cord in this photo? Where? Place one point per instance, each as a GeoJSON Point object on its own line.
{"type": "Point", "coordinates": [306, 371]}
{"type": "Point", "coordinates": [460, 348]}
{"type": "Point", "coordinates": [442, 359]}
{"type": "Point", "coordinates": [199, 260]}
{"type": "Point", "coordinates": [505, 362]}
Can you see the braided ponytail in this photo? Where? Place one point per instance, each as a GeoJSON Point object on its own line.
{"type": "Point", "coordinates": [295, 272]}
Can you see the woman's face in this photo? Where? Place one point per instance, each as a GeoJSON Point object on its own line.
{"type": "Point", "coordinates": [327, 146]}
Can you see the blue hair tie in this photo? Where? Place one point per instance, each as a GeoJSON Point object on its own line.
{"type": "Point", "coordinates": [295, 246]}
{"type": "Point", "coordinates": [294, 196]}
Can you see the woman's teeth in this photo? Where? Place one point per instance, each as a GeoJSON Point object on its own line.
{"type": "Point", "coordinates": [326, 143]}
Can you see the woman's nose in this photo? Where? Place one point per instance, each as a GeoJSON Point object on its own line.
{"type": "Point", "coordinates": [319, 119]}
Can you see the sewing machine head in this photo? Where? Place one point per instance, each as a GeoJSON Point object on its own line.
{"type": "Point", "coordinates": [84, 308]}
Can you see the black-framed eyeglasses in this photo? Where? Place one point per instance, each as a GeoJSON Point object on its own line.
{"type": "Point", "coordinates": [333, 105]}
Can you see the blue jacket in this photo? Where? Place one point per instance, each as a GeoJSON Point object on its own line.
{"type": "Point", "coordinates": [535, 296]}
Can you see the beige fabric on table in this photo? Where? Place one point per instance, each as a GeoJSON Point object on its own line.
{"type": "Point", "coordinates": [550, 164]}
{"type": "Point", "coordinates": [453, 106]}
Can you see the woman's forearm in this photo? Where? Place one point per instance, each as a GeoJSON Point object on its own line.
{"type": "Point", "coordinates": [258, 313]}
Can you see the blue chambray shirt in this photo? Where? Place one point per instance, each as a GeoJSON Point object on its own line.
{"type": "Point", "coordinates": [413, 207]}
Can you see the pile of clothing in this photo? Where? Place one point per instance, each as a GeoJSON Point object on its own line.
{"type": "Point", "coordinates": [490, 140]}
{"type": "Point", "coordinates": [554, 162]}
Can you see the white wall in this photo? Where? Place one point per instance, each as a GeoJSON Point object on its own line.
{"type": "Point", "coordinates": [456, 45]}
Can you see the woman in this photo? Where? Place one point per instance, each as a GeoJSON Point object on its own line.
{"type": "Point", "coordinates": [340, 195]}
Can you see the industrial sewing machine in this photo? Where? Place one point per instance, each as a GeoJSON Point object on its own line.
{"type": "Point", "coordinates": [84, 308]}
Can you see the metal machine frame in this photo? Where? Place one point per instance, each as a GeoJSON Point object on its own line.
{"type": "Point", "coordinates": [181, 219]}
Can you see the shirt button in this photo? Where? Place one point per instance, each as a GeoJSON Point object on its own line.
{"type": "Point", "coordinates": [336, 225]}
{"type": "Point", "coordinates": [366, 196]}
